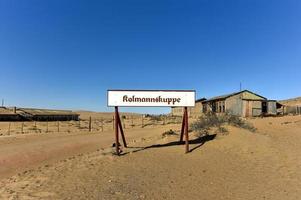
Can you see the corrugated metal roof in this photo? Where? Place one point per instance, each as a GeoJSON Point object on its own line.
{"type": "Point", "coordinates": [201, 99]}
{"type": "Point", "coordinates": [35, 111]}
{"type": "Point", "coordinates": [46, 112]}
{"type": "Point", "coordinates": [5, 111]}
{"type": "Point", "coordinates": [231, 94]}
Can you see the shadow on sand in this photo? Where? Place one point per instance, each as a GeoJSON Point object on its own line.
{"type": "Point", "coordinates": [199, 141]}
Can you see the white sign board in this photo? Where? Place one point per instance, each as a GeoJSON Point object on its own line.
{"type": "Point", "coordinates": [150, 98]}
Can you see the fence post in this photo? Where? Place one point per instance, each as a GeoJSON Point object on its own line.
{"type": "Point", "coordinates": [58, 126]}
{"type": "Point", "coordinates": [47, 126]}
{"type": "Point", "coordinates": [123, 121]}
{"type": "Point", "coordinates": [22, 126]}
{"type": "Point", "coordinates": [9, 128]}
{"type": "Point", "coordinates": [90, 124]}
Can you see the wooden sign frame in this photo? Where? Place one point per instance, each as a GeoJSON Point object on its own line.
{"type": "Point", "coordinates": [118, 125]}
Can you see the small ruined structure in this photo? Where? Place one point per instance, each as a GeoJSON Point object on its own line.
{"type": "Point", "coordinates": [32, 114]}
{"type": "Point", "coordinates": [291, 106]}
{"type": "Point", "coordinates": [195, 111]}
{"type": "Point", "coordinates": [9, 114]}
{"type": "Point", "coordinates": [244, 103]}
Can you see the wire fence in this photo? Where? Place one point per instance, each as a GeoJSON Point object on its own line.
{"type": "Point", "coordinates": [85, 125]}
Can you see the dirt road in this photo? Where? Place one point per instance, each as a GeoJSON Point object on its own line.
{"type": "Point", "coordinates": [21, 152]}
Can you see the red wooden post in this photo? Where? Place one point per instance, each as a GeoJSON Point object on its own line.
{"type": "Point", "coordinates": [117, 127]}
{"type": "Point", "coordinates": [183, 125]}
{"type": "Point", "coordinates": [186, 131]}
{"type": "Point", "coordinates": [116, 131]}
{"type": "Point", "coordinates": [121, 130]}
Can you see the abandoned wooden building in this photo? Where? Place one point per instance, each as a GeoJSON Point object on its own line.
{"type": "Point", "coordinates": [9, 115]}
{"type": "Point", "coordinates": [244, 103]}
{"type": "Point", "coordinates": [195, 111]}
{"type": "Point", "coordinates": [32, 114]}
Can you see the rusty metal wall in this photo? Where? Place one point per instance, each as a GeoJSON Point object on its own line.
{"type": "Point", "coordinates": [256, 108]}
{"type": "Point", "coordinates": [248, 95]}
{"type": "Point", "coordinates": [177, 111]}
{"type": "Point", "coordinates": [296, 109]}
{"type": "Point", "coordinates": [234, 105]}
{"type": "Point", "coordinates": [197, 110]}
{"type": "Point", "coordinates": [272, 109]}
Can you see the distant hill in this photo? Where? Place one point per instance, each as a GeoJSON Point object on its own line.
{"type": "Point", "coordinates": [291, 102]}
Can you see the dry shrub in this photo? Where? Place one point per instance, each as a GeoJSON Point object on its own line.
{"type": "Point", "coordinates": [35, 129]}
{"type": "Point", "coordinates": [238, 122]}
{"type": "Point", "coordinates": [222, 130]}
{"type": "Point", "coordinates": [170, 132]}
{"type": "Point", "coordinates": [155, 117]}
{"type": "Point", "coordinates": [211, 120]}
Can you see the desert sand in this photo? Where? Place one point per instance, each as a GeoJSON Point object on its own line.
{"type": "Point", "coordinates": [80, 165]}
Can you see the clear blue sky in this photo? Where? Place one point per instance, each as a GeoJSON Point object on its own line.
{"type": "Point", "coordinates": [66, 54]}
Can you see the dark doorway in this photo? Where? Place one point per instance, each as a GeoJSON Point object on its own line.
{"type": "Point", "coordinates": [264, 107]}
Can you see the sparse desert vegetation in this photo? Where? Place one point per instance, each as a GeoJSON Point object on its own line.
{"type": "Point", "coordinates": [211, 120]}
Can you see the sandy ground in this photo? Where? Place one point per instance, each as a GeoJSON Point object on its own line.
{"type": "Point", "coordinates": [240, 165]}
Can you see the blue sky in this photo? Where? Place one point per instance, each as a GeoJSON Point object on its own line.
{"type": "Point", "coordinates": [66, 54]}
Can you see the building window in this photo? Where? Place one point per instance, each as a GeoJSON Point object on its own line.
{"type": "Point", "coordinates": [213, 107]}
{"type": "Point", "coordinates": [204, 108]}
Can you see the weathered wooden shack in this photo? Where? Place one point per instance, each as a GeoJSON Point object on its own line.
{"type": "Point", "coordinates": [195, 111]}
{"type": "Point", "coordinates": [244, 103]}
{"type": "Point", "coordinates": [9, 115]}
{"type": "Point", "coordinates": [291, 109]}
{"type": "Point", "coordinates": [48, 115]}
{"type": "Point", "coordinates": [31, 114]}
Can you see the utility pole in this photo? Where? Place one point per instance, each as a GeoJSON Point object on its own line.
{"type": "Point", "coordinates": [2, 102]}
